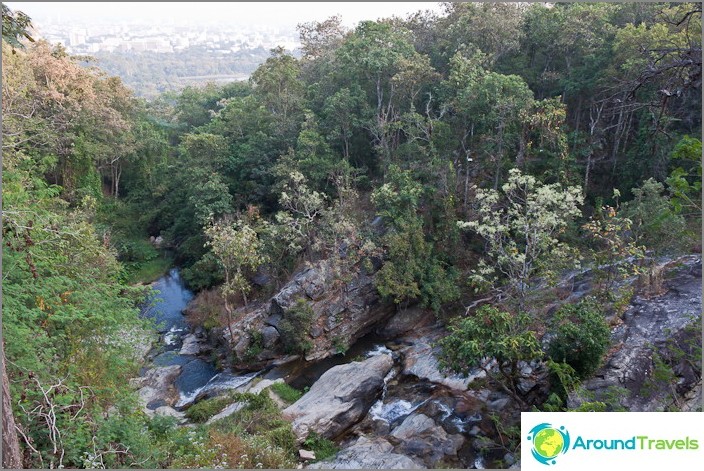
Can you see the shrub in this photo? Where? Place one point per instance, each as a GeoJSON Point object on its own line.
{"type": "Point", "coordinates": [295, 326]}
{"type": "Point", "coordinates": [581, 336]}
{"type": "Point", "coordinates": [655, 223]}
{"type": "Point", "coordinates": [491, 333]}
{"type": "Point", "coordinates": [204, 410]}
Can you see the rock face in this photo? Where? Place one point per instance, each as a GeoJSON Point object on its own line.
{"type": "Point", "coordinates": [340, 398]}
{"type": "Point", "coordinates": [368, 454]}
{"type": "Point", "coordinates": [668, 326]}
{"type": "Point", "coordinates": [343, 311]}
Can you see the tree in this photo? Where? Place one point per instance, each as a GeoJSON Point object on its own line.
{"type": "Point", "coordinates": [414, 270]}
{"type": "Point", "coordinates": [520, 225]}
{"type": "Point", "coordinates": [490, 334]}
{"type": "Point", "coordinates": [581, 336]}
{"type": "Point", "coordinates": [15, 27]}
{"type": "Point", "coordinates": [237, 249]}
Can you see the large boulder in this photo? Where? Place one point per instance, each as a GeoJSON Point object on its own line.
{"type": "Point", "coordinates": [667, 327]}
{"type": "Point", "coordinates": [369, 454]}
{"type": "Point", "coordinates": [157, 387]}
{"type": "Point", "coordinates": [340, 398]}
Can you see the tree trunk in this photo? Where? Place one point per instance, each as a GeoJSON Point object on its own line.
{"type": "Point", "coordinates": [11, 456]}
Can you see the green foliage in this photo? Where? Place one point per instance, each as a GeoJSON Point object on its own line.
{"type": "Point", "coordinates": [474, 340]}
{"type": "Point", "coordinates": [582, 336]}
{"type": "Point", "coordinates": [614, 254]}
{"type": "Point", "coordinates": [295, 327]}
{"type": "Point", "coordinates": [286, 392]}
{"type": "Point", "coordinates": [413, 270]}
{"type": "Point", "coordinates": [205, 409]}
{"type": "Point", "coordinates": [322, 447]}
{"type": "Point", "coordinates": [654, 223]}
{"type": "Point", "coordinates": [256, 345]}
{"type": "Point", "coordinates": [15, 27]}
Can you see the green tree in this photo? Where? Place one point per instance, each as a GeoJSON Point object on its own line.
{"type": "Point", "coordinates": [581, 336]}
{"type": "Point", "coordinates": [476, 340]}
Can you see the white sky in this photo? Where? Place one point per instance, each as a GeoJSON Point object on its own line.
{"type": "Point", "coordinates": [274, 13]}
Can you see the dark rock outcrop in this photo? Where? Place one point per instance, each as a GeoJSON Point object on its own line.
{"type": "Point", "coordinates": [665, 328]}
{"type": "Point", "coordinates": [345, 307]}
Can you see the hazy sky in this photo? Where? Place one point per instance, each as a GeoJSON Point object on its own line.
{"type": "Point", "coordinates": [279, 13]}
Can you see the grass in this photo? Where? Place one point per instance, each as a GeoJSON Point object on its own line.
{"type": "Point", "coordinates": [148, 271]}
{"type": "Point", "coordinates": [286, 392]}
{"type": "Point", "coordinates": [322, 447]}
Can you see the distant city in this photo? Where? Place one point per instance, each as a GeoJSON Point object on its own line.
{"type": "Point", "coordinates": [163, 38]}
{"type": "Point", "coordinates": [155, 57]}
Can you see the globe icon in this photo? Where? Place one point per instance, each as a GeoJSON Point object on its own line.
{"type": "Point", "coordinates": [548, 443]}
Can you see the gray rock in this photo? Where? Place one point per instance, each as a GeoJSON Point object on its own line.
{"type": "Point", "coordinates": [158, 387]}
{"type": "Point", "coordinates": [270, 336]}
{"type": "Point", "coordinates": [421, 437]}
{"type": "Point", "coordinates": [420, 360]}
{"type": "Point", "coordinates": [340, 398]}
{"type": "Point", "coordinates": [404, 321]}
{"type": "Point", "coordinates": [227, 411]}
{"type": "Point", "coordinates": [651, 325]}
{"type": "Point", "coordinates": [191, 345]}
{"type": "Point", "coordinates": [262, 385]}
{"type": "Point", "coordinates": [167, 411]}
{"type": "Point", "coordinates": [306, 455]}
{"type": "Point", "coordinates": [342, 311]}
{"type": "Point", "coordinates": [368, 454]}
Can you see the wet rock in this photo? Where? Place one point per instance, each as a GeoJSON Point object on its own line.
{"type": "Point", "coordinates": [158, 387]}
{"type": "Point", "coordinates": [420, 436]}
{"type": "Point", "coordinates": [340, 398]}
{"type": "Point", "coordinates": [369, 454]}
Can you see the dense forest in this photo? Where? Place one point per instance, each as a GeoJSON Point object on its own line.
{"type": "Point", "coordinates": [467, 159]}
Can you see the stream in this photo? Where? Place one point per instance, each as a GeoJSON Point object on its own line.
{"type": "Point", "coordinates": [197, 375]}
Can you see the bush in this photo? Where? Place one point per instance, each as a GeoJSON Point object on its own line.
{"type": "Point", "coordinates": [295, 326]}
{"type": "Point", "coordinates": [655, 224]}
{"type": "Point", "coordinates": [204, 410]}
{"type": "Point", "coordinates": [581, 336]}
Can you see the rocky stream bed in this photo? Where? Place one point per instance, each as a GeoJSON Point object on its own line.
{"type": "Point", "coordinates": [385, 401]}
